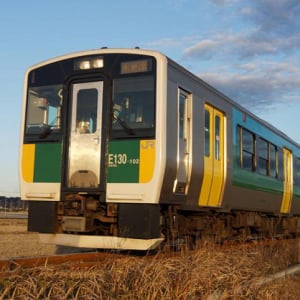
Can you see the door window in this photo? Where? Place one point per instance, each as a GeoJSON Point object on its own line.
{"type": "Point", "coordinates": [86, 115]}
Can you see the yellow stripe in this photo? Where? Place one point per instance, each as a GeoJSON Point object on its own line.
{"type": "Point", "coordinates": [28, 162]}
{"type": "Point", "coordinates": [287, 184]}
{"type": "Point", "coordinates": [206, 183]}
{"type": "Point", "coordinates": [147, 160]}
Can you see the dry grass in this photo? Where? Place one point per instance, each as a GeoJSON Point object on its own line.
{"type": "Point", "coordinates": [208, 273]}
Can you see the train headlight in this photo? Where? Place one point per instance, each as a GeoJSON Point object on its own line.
{"type": "Point", "coordinates": [84, 65]}
{"type": "Point", "coordinates": [97, 63]}
{"type": "Point", "coordinates": [89, 63]}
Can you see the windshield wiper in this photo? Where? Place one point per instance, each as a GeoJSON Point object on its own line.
{"type": "Point", "coordinates": [45, 131]}
{"type": "Point", "coordinates": [128, 129]}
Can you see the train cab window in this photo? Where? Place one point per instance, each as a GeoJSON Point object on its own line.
{"type": "Point", "coordinates": [262, 157]}
{"type": "Point", "coordinates": [248, 150]}
{"type": "Point", "coordinates": [207, 133]}
{"type": "Point", "coordinates": [133, 111]}
{"type": "Point", "coordinates": [43, 115]}
{"type": "Point", "coordinates": [297, 171]}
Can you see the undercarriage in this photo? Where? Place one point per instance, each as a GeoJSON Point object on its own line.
{"type": "Point", "coordinates": [188, 227]}
{"type": "Point", "coordinates": [89, 215]}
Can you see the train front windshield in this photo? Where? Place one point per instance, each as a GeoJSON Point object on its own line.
{"type": "Point", "coordinates": [128, 95]}
{"type": "Point", "coordinates": [133, 106]}
{"type": "Point", "coordinates": [44, 110]}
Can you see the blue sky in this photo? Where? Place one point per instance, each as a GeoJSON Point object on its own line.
{"type": "Point", "coordinates": [247, 49]}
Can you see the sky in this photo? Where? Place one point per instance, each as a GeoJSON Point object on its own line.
{"type": "Point", "coordinates": [249, 50]}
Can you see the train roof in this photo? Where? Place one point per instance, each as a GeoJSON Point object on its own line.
{"type": "Point", "coordinates": [103, 50]}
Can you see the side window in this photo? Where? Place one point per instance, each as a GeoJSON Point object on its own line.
{"type": "Point", "coordinates": [262, 157]}
{"type": "Point", "coordinates": [297, 171]}
{"type": "Point", "coordinates": [257, 154]}
{"type": "Point", "coordinates": [273, 161]}
{"type": "Point", "coordinates": [184, 142]}
{"type": "Point", "coordinates": [217, 137]}
{"type": "Point", "coordinates": [280, 164]}
{"type": "Point", "coordinates": [248, 150]}
{"type": "Point", "coordinates": [239, 146]}
{"type": "Point", "coordinates": [207, 133]}
{"type": "Point", "coordinates": [182, 99]}
{"type": "Point", "coordinates": [266, 158]}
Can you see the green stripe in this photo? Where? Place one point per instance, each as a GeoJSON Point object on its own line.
{"type": "Point", "coordinates": [254, 181]}
{"type": "Point", "coordinates": [297, 191]}
{"type": "Point", "coordinates": [47, 165]}
{"type": "Point", "coordinates": [123, 161]}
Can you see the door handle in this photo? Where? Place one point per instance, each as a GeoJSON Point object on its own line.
{"type": "Point", "coordinates": [97, 139]}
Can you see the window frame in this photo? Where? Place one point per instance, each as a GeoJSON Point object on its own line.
{"type": "Point", "coordinates": [248, 152]}
{"type": "Point", "coordinates": [296, 167]}
{"type": "Point", "coordinates": [46, 130]}
{"type": "Point", "coordinates": [123, 129]}
{"type": "Point", "coordinates": [266, 163]}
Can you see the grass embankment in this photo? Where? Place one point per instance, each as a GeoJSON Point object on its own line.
{"type": "Point", "coordinates": [208, 273]}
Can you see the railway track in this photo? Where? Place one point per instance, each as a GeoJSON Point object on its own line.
{"type": "Point", "coordinates": [72, 261]}
{"type": "Point", "coordinates": [76, 258]}
{"type": "Point", "coordinates": [10, 215]}
{"type": "Point", "coordinates": [87, 259]}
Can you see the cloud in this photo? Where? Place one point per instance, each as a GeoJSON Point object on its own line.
{"type": "Point", "coordinates": [164, 43]}
{"type": "Point", "coordinates": [252, 56]}
{"type": "Point", "coordinates": [222, 2]}
{"type": "Point", "coordinates": [244, 45]}
{"type": "Point", "coordinates": [204, 48]}
{"type": "Point", "coordinates": [258, 85]}
{"type": "Point", "coordinates": [258, 64]}
{"type": "Point", "coordinates": [171, 43]}
{"type": "Point", "coordinates": [280, 18]}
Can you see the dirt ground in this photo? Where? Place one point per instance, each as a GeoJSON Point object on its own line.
{"type": "Point", "coordinates": [16, 241]}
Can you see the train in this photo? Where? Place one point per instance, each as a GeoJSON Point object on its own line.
{"type": "Point", "coordinates": [126, 149]}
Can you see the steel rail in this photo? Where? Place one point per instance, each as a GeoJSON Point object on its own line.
{"type": "Point", "coordinates": [78, 260]}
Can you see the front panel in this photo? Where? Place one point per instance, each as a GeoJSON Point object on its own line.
{"type": "Point", "coordinates": [94, 144]}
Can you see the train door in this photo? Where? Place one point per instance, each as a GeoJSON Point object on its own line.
{"type": "Point", "coordinates": [214, 158]}
{"type": "Point", "coordinates": [287, 181]}
{"type": "Point", "coordinates": [184, 143]}
{"type": "Point", "coordinates": [84, 153]}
